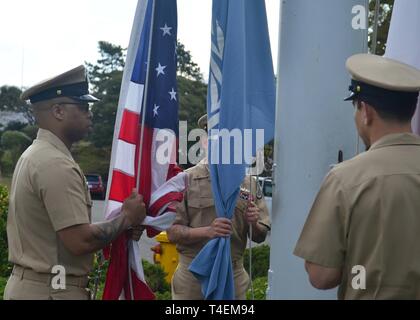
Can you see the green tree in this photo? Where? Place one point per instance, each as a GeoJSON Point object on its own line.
{"type": "Point", "coordinates": [106, 77]}
{"type": "Point", "coordinates": [31, 131]}
{"type": "Point", "coordinates": [192, 100]}
{"type": "Point", "coordinates": [186, 67]}
{"type": "Point", "coordinates": [384, 20]}
{"type": "Point", "coordinates": [4, 204]}
{"type": "Point", "coordinates": [10, 101]}
{"type": "Point", "coordinates": [10, 98]}
{"type": "Point", "coordinates": [13, 143]}
{"type": "Point", "coordinates": [192, 104]}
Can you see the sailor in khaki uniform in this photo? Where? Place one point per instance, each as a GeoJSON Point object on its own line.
{"type": "Point", "coordinates": [49, 222]}
{"type": "Point", "coordinates": [197, 222]}
{"type": "Point", "coordinates": [363, 231]}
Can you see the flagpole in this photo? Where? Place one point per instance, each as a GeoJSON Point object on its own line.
{"type": "Point", "coordinates": [143, 120]}
{"type": "Point", "coordinates": [250, 239]}
{"type": "Point", "coordinates": [143, 109]}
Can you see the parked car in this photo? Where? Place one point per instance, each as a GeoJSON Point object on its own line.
{"type": "Point", "coordinates": [266, 185]}
{"type": "Point", "coordinates": [96, 186]}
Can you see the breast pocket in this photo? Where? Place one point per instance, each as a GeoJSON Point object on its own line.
{"type": "Point", "coordinates": [201, 211]}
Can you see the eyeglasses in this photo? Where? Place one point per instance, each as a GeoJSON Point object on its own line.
{"type": "Point", "coordinates": [84, 107]}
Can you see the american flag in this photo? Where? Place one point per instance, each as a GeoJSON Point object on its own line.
{"type": "Point", "coordinates": [145, 141]}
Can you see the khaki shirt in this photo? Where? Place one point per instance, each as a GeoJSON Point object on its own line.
{"type": "Point", "coordinates": [367, 213]}
{"type": "Point", "coordinates": [48, 193]}
{"type": "Point", "coordinates": [198, 210]}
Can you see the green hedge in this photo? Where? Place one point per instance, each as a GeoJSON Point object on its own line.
{"type": "Point", "coordinates": [155, 278]}
{"type": "Point", "coordinates": [5, 267]}
{"type": "Point", "coordinates": [3, 282]}
{"type": "Point", "coordinates": [260, 288]}
{"type": "Point", "coordinates": [92, 159]}
{"type": "Point", "coordinates": [260, 261]}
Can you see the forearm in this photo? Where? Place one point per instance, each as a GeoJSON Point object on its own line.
{"type": "Point", "coordinates": [259, 232]}
{"type": "Point", "coordinates": [103, 233]}
{"type": "Point", "coordinates": [180, 234]}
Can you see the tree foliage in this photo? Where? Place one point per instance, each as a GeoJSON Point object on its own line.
{"type": "Point", "coordinates": [10, 101]}
{"type": "Point", "coordinates": [384, 21]}
{"type": "Point", "coordinates": [4, 204]}
{"type": "Point", "coordinates": [186, 67]}
{"type": "Point", "coordinates": [13, 143]}
{"type": "Point", "coordinates": [192, 100]}
{"type": "Point", "coordinates": [106, 77]}
{"type": "Point", "coordinates": [15, 139]}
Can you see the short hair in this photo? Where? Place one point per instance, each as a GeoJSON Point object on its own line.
{"type": "Point", "coordinates": [398, 108]}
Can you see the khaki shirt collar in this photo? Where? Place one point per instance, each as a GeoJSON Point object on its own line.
{"type": "Point", "coordinates": [396, 139]}
{"type": "Point", "coordinates": [203, 169]}
{"type": "Point", "coordinates": [51, 138]}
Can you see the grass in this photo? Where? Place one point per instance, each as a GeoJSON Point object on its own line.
{"type": "Point", "coordinates": [6, 181]}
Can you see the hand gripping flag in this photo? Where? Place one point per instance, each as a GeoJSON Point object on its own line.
{"type": "Point", "coordinates": [145, 142]}
{"type": "Point", "coordinates": [241, 95]}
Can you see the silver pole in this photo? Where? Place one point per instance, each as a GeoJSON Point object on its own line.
{"type": "Point", "coordinates": [250, 242]}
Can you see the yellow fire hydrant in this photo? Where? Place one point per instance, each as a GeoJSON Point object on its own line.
{"type": "Point", "coordinates": [166, 255]}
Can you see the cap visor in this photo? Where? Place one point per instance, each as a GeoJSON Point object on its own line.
{"type": "Point", "coordinates": [350, 97]}
{"type": "Point", "coordinates": [86, 98]}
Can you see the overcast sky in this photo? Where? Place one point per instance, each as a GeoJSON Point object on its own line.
{"type": "Point", "coordinates": [42, 38]}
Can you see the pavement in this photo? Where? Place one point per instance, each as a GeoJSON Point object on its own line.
{"type": "Point", "coordinates": [145, 242]}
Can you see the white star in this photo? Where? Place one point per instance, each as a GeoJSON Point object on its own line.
{"type": "Point", "coordinates": [166, 30]}
{"type": "Point", "coordinates": [160, 69]}
{"type": "Point", "coordinates": [173, 94]}
{"type": "Point", "coordinates": [155, 110]}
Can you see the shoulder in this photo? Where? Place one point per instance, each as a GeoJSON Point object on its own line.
{"type": "Point", "coordinates": [197, 171]}
{"type": "Point", "coordinates": [43, 156]}
{"type": "Point", "coordinates": [355, 171]}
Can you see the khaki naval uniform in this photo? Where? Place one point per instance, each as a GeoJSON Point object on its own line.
{"type": "Point", "coordinates": [48, 193]}
{"type": "Point", "coordinates": [198, 210]}
{"type": "Point", "coordinates": [367, 213]}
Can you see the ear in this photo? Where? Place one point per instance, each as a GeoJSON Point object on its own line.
{"type": "Point", "coordinates": [58, 112]}
{"type": "Point", "coordinates": [368, 113]}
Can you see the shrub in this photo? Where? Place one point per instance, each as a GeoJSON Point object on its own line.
{"type": "Point", "coordinates": [92, 159]}
{"type": "Point", "coordinates": [5, 267]}
{"type": "Point", "coordinates": [6, 162]}
{"type": "Point", "coordinates": [13, 144]}
{"type": "Point", "coordinates": [260, 289]}
{"type": "Point", "coordinates": [31, 131]}
{"type": "Point", "coordinates": [155, 278]}
{"type": "Point", "coordinates": [98, 275]}
{"type": "Point", "coordinates": [3, 282]}
{"type": "Point", "coordinates": [260, 261]}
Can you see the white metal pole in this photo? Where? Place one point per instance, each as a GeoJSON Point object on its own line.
{"type": "Point", "coordinates": [312, 124]}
